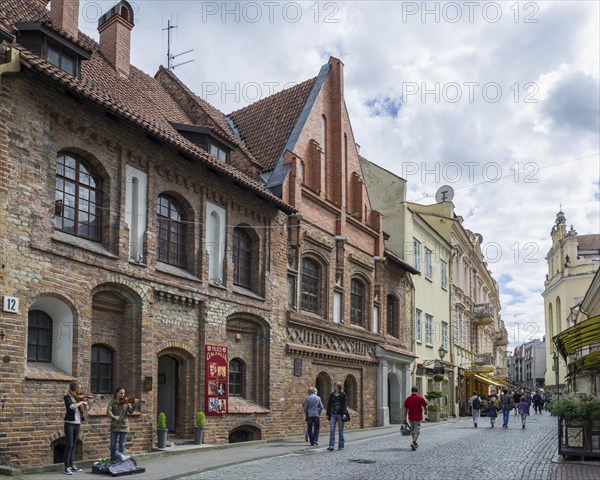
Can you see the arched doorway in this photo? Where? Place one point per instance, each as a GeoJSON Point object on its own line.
{"type": "Point", "coordinates": [168, 389]}
{"type": "Point", "coordinates": [323, 386]}
{"type": "Point", "coordinates": [394, 399]}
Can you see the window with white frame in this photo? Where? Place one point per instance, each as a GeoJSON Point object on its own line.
{"type": "Point", "coordinates": [459, 325]}
{"type": "Point", "coordinates": [445, 331]}
{"type": "Point", "coordinates": [444, 273]}
{"type": "Point", "coordinates": [428, 329]}
{"type": "Point", "coordinates": [418, 326]}
{"type": "Point", "coordinates": [417, 254]}
{"type": "Point", "coordinates": [428, 264]}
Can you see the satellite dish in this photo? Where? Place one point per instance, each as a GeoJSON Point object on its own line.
{"type": "Point", "coordinates": [444, 194]}
{"type": "Point", "coordinates": [479, 238]}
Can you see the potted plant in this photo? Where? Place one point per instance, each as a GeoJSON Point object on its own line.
{"type": "Point", "coordinates": [434, 408]}
{"type": "Point", "coordinates": [578, 416]}
{"type": "Point", "coordinates": [438, 377]}
{"type": "Point", "coordinates": [161, 430]}
{"type": "Point", "coordinates": [199, 428]}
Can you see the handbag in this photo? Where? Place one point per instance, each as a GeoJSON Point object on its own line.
{"type": "Point", "coordinates": [405, 429]}
{"type": "Point", "coordinates": [345, 416]}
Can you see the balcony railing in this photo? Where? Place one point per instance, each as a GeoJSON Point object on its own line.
{"type": "Point", "coordinates": [482, 359]}
{"type": "Point", "coordinates": [501, 339]}
{"type": "Point", "coordinates": [483, 313]}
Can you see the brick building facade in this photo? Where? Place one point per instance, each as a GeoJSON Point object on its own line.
{"type": "Point", "coordinates": [133, 236]}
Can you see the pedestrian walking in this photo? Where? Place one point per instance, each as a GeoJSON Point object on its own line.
{"type": "Point", "coordinates": [414, 406]}
{"type": "Point", "coordinates": [491, 412]}
{"type": "Point", "coordinates": [475, 402]}
{"type": "Point", "coordinates": [523, 408]}
{"type": "Point", "coordinates": [516, 400]}
{"type": "Point", "coordinates": [337, 411]}
{"type": "Point", "coordinates": [313, 406]}
{"type": "Point", "coordinates": [506, 402]}
{"type": "Point", "coordinates": [537, 402]}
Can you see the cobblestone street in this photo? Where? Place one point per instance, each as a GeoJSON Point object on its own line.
{"type": "Point", "coordinates": [449, 450]}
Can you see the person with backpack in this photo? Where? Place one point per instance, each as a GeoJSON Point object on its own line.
{"type": "Point", "coordinates": [506, 402]}
{"type": "Point", "coordinates": [475, 402]}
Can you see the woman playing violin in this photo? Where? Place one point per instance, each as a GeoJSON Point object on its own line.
{"type": "Point", "coordinates": [119, 407]}
{"type": "Point", "coordinates": [76, 409]}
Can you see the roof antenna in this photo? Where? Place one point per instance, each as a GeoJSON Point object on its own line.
{"type": "Point", "coordinates": [170, 57]}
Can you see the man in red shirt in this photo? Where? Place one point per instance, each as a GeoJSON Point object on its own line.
{"type": "Point", "coordinates": [413, 406]}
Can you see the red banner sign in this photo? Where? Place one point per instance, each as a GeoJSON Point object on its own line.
{"type": "Point", "coordinates": [217, 380]}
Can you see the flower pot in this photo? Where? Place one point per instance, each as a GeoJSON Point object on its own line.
{"type": "Point", "coordinates": [161, 435]}
{"type": "Point", "coordinates": [198, 435]}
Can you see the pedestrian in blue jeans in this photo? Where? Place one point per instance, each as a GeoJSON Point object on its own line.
{"type": "Point", "coordinates": [337, 407]}
{"type": "Point", "coordinates": [523, 408]}
{"type": "Point", "coordinates": [313, 406]}
{"type": "Point", "coordinates": [118, 409]}
{"type": "Point", "coordinates": [506, 402]}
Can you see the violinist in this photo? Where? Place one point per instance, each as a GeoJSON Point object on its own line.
{"type": "Point", "coordinates": [76, 408]}
{"type": "Point", "coordinates": [119, 407]}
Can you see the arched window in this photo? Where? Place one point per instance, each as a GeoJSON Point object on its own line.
{"type": "Point", "coordinates": [171, 232]}
{"type": "Point", "coordinates": [102, 369]}
{"type": "Point", "coordinates": [392, 312]}
{"type": "Point", "coordinates": [236, 378]}
{"type": "Point", "coordinates": [357, 302]}
{"type": "Point", "coordinates": [78, 198]}
{"type": "Point", "coordinates": [351, 391]}
{"type": "Point", "coordinates": [242, 258]}
{"type": "Point", "coordinates": [311, 286]}
{"type": "Point", "coordinates": [39, 337]}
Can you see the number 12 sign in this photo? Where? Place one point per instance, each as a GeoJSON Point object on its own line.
{"type": "Point", "coordinates": [10, 304]}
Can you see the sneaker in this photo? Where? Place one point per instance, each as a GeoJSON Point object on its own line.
{"type": "Point", "coordinates": [416, 444]}
{"type": "Point", "coordinates": [68, 471]}
{"type": "Point", "coordinates": [523, 426]}
{"type": "Point", "coordinates": [330, 449]}
{"type": "Point", "coordinates": [75, 469]}
{"type": "Point", "coordinates": [412, 446]}
{"type": "Point", "coordinates": [317, 443]}
{"type": "Point", "coordinates": [475, 425]}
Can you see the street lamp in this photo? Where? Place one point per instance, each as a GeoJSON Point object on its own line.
{"type": "Point", "coordinates": [442, 352]}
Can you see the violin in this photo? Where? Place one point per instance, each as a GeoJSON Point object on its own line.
{"type": "Point", "coordinates": [124, 400]}
{"type": "Point", "coordinates": [82, 397]}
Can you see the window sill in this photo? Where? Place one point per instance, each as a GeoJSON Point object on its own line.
{"type": "Point", "coordinates": [420, 342]}
{"type": "Point", "coordinates": [430, 345]}
{"type": "Point", "coordinates": [246, 292]}
{"type": "Point", "coordinates": [241, 405]}
{"type": "Point", "coordinates": [82, 243]}
{"type": "Point", "coordinates": [175, 271]}
{"type": "Point", "coordinates": [428, 278]}
{"type": "Point", "coordinates": [46, 371]}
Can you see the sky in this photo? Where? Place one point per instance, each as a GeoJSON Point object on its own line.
{"type": "Point", "coordinates": [499, 100]}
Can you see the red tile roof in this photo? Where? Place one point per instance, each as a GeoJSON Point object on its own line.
{"type": "Point", "coordinates": [135, 98]}
{"type": "Point", "coordinates": [589, 242]}
{"type": "Point", "coordinates": [265, 126]}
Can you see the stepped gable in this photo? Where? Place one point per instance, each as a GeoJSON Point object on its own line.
{"type": "Point", "coordinates": [139, 98]}
{"type": "Point", "coordinates": [265, 126]}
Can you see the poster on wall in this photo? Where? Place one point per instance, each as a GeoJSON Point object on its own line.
{"type": "Point", "coordinates": [217, 380]}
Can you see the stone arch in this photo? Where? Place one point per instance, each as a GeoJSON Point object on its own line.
{"type": "Point", "coordinates": [245, 433]}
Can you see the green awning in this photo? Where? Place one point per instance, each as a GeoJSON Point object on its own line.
{"type": "Point", "coordinates": [585, 365]}
{"type": "Point", "coordinates": [581, 335]}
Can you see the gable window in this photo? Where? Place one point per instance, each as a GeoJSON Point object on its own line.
{"type": "Point", "coordinates": [236, 378]}
{"type": "Point", "coordinates": [357, 302]}
{"type": "Point", "coordinates": [39, 337]}
{"type": "Point", "coordinates": [428, 264]}
{"type": "Point", "coordinates": [242, 257]}
{"type": "Point", "coordinates": [391, 316]}
{"type": "Point", "coordinates": [171, 231]}
{"type": "Point", "coordinates": [102, 369]}
{"type": "Point", "coordinates": [218, 151]}
{"type": "Point", "coordinates": [78, 197]}
{"type": "Point", "coordinates": [60, 58]}
{"type": "Point", "coordinates": [311, 286]}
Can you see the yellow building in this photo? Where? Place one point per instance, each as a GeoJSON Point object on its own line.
{"type": "Point", "coordinates": [572, 262]}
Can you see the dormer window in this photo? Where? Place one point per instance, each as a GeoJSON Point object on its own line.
{"type": "Point", "coordinates": [60, 58]}
{"type": "Point", "coordinates": [206, 139]}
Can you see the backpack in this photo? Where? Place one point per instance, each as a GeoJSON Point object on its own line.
{"type": "Point", "coordinates": [476, 403]}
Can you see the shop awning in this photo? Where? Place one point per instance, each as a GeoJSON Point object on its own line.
{"type": "Point", "coordinates": [482, 377]}
{"type": "Point", "coordinates": [581, 335]}
{"type": "Point", "coordinates": [584, 365]}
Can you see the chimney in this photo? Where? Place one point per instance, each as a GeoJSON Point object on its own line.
{"type": "Point", "coordinates": [115, 35]}
{"type": "Point", "coordinates": [65, 15]}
